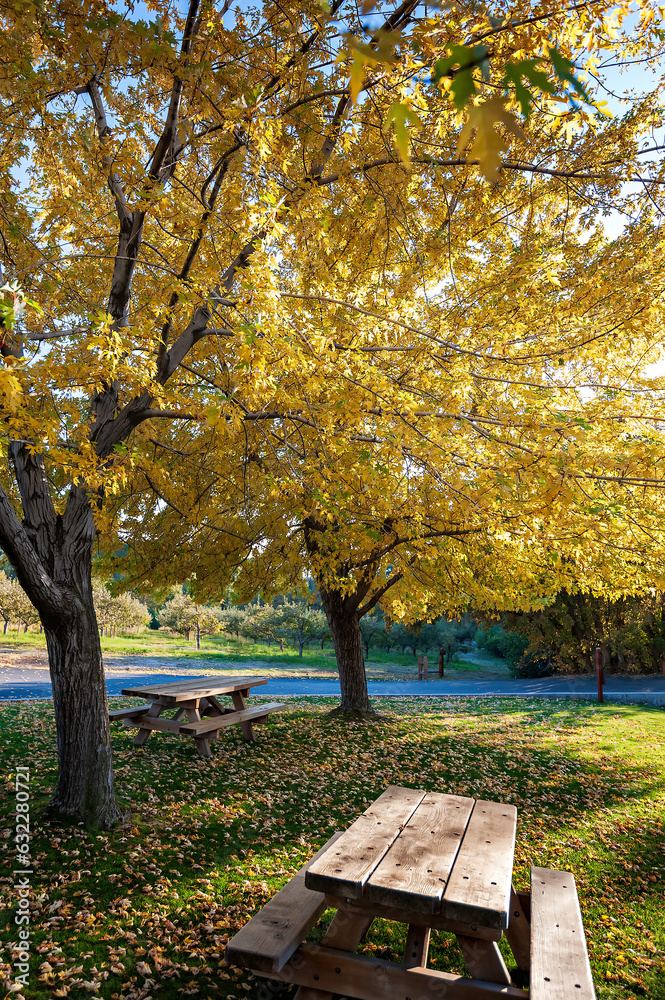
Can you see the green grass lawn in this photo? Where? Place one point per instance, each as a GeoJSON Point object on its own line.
{"type": "Point", "coordinates": [146, 910]}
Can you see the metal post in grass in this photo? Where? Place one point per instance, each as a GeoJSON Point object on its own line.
{"type": "Point", "coordinates": [600, 673]}
{"type": "Point", "coordinates": [441, 662]}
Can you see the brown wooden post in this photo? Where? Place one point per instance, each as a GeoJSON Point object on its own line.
{"type": "Point", "coordinates": [441, 662]}
{"type": "Point", "coordinates": [425, 668]}
{"type": "Point", "coordinates": [420, 668]}
{"type": "Point", "coordinates": [600, 673]}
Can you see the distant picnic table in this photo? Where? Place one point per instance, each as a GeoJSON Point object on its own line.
{"type": "Point", "coordinates": [196, 702]}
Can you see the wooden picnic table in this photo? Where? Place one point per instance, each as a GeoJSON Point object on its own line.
{"type": "Point", "coordinates": [435, 862]}
{"type": "Point", "coordinates": [195, 701]}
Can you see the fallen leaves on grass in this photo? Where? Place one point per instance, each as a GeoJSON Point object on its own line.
{"type": "Point", "coordinates": [146, 910]}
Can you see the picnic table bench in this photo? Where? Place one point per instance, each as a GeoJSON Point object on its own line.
{"type": "Point", "coordinates": [197, 701]}
{"type": "Point", "coordinates": [436, 863]}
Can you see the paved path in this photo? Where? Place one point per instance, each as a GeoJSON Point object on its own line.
{"type": "Point", "coordinates": [18, 685]}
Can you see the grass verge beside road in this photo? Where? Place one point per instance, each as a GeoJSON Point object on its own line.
{"type": "Point", "coordinates": [229, 654]}
{"type": "Point", "coordinates": [146, 910]}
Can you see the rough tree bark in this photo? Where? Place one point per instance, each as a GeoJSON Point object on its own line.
{"type": "Point", "coordinates": [84, 789]}
{"type": "Point", "coordinates": [342, 614]}
{"type": "Point", "coordinates": [52, 556]}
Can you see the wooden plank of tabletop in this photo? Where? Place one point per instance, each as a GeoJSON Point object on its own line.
{"type": "Point", "coordinates": [346, 867]}
{"type": "Point", "coordinates": [200, 687]}
{"type": "Point", "coordinates": [413, 874]}
{"type": "Point", "coordinates": [479, 885]}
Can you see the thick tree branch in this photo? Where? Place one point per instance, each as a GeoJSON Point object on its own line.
{"type": "Point", "coordinates": [376, 597]}
{"type": "Point", "coordinates": [30, 570]}
{"type": "Point", "coordinates": [30, 473]}
{"type": "Point", "coordinates": [202, 316]}
{"type": "Point", "coordinates": [103, 131]}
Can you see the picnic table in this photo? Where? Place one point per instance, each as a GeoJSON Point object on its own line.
{"type": "Point", "coordinates": [434, 862]}
{"type": "Point", "coordinates": [196, 709]}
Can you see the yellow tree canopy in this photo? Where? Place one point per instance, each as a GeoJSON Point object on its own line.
{"type": "Point", "coordinates": [329, 243]}
{"type": "Point", "coordinates": [258, 219]}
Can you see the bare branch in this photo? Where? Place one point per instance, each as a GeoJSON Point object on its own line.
{"type": "Point", "coordinates": [103, 131]}
{"type": "Point", "coordinates": [55, 335]}
{"type": "Point", "coordinates": [169, 415]}
{"type": "Point", "coordinates": [315, 97]}
{"type": "Point", "coordinates": [376, 597]}
{"type": "Point", "coordinates": [460, 161]}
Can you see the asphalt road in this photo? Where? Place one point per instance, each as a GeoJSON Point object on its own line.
{"type": "Point", "coordinates": [17, 684]}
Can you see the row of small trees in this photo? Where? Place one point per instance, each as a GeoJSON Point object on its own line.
{"type": "Point", "coordinates": [301, 625]}
{"type": "Point", "coordinates": [559, 638]}
{"type": "Point", "coordinates": [117, 614]}
{"type": "Point", "coordinates": [114, 614]}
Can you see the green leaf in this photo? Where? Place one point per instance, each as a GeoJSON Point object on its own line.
{"type": "Point", "coordinates": [400, 114]}
{"type": "Point", "coordinates": [527, 69]}
{"type": "Point", "coordinates": [462, 88]}
{"type": "Point", "coordinates": [460, 64]}
{"type": "Point", "coordinates": [564, 69]}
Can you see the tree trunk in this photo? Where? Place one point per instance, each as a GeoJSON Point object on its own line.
{"type": "Point", "coordinates": [300, 646]}
{"type": "Point", "coordinates": [281, 645]}
{"type": "Point", "coordinates": [84, 790]}
{"type": "Point", "coordinates": [5, 627]}
{"type": "Point", "coordinates": [347, 642]}
{"type": "Point", "coordinates": [198, 636]}
{"type": "Point", "coordinates": [52, 555]}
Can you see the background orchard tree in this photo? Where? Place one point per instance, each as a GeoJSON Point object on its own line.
{"type": "Point", "coordinates": [183, 615]}
{"type": "Point", "coordinates": [300, 624]}
{"type": "Point", "coordinates": [15, 605]}
{"type": "Point", "coordinates": [233, 620]}
{"type": "Point", "coordinates": [117, 613]}
{"type": "Point", "coordinates": [196, 196]}
{"type": "Point", "coordinates": [372, 626]}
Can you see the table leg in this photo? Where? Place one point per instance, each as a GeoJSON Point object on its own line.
{"type": "Point", "coordinates": [484, 960]}
{"type": "Point", "coordinates": [209, 708]}
{"type": "Point", "coordinates": [346, 931]}
{"type": "Point", "coordinates": [202, 745]}
{"type": "Point", "coordinates": [239, 704]}
{"type": "Point", "coordinates": [518, 932]}
{"type": "Point", "coordinates": [153, 712]}
{"type": "Point", "coordinates": [417, 947]}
